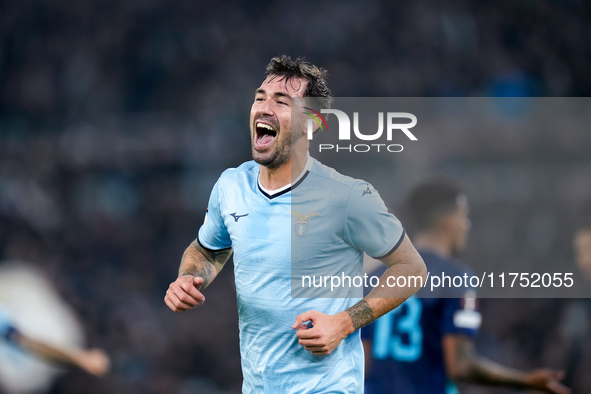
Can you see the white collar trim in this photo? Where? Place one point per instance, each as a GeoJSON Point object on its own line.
{"type": "Point", "coordinates": [307, 168]}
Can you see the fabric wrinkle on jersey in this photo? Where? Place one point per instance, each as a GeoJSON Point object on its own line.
{"type": "Point", "coordinates": [407, 354]}
{"type": "Point", "coordinates": [321, 224]}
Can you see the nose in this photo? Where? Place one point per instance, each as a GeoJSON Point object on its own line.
{"type": "Point", "coordinates": [265, 107]}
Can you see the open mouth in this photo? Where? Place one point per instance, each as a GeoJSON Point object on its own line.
{"type": "Point", "coordinates": [265, 135]}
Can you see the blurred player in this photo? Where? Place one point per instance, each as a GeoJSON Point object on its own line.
{"type": "Point", "coordinates": [93, 361]}
{"type": "Point", "coordinates": [250, 213]}
{"type": "Point", "coordinates": [576, 323]}
{"type": "Point", "coordinates": [582, 245]}
{"type": "Point", "coordinates": [39, 332]}
{"type": "Point", "coordinates": [427, 343]}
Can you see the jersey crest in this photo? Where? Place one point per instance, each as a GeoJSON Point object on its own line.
{"type": "Point", "coordinates": [301, 225]}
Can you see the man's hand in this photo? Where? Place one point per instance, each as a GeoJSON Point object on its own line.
{"type": "Point", "coordinates": [326, 333]}
{"type": "Point", "coordinates": [548, 381]}
{"type": "Point", "coordinates": [94, 361]}
{"type": "Point", "coordinates": [183, 294]}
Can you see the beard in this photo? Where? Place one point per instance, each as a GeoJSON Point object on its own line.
{"type": "Point", "coordinates": [276, 158]}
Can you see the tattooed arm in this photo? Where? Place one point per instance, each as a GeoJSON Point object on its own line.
{"type": "Point", "coordinates": [329, 330]}
{"type": "Point", "coordinates": [199, 267]}
{"type": "Point", "coordinates": [404, 262]}
{"type": "Point", "coordinates": [203, 263]}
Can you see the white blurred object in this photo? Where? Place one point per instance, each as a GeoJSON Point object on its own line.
{"type": "Point", "coordinates": [37, 310]}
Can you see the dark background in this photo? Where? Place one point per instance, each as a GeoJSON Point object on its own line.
{"type": "Point", "coordinates": [116, 118]}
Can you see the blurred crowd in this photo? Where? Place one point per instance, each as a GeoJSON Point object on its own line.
{"type": "Point", "coordinates": [116, 118]}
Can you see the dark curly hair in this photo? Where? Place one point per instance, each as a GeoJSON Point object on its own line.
{"type": "Point", "coordinates": [431, 199]}
{"type": "Point", "coordinates": [283, 66]}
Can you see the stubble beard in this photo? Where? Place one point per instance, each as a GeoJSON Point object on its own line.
{"type": "Point", "coordinates": [278, 157]}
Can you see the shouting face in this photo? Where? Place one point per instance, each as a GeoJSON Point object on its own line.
{"type": "Point", "coordinates": [270, 119]}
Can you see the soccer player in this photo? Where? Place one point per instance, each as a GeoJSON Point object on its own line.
{"type": "Point", "coordinates": [94, 361]}
{"type": "Point", "coordinates": [289, 344]}
{"type": "Point", "coordinates": [582, 244]}
{"type": "Point", "coordinates": [427, 343]}
{"type": "Point", "coordinates": [576, 322]}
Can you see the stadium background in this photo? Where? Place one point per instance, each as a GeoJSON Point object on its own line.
{"type": "Point", "coordinates": [116, 118]}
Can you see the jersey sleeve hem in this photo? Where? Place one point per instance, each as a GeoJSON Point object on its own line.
{"type": "Point", "coordinates": [393, 248]}
{"type": "Point", "coordinates": [211, 249]}
{"type": "Point", "coordinates": [11, 334]}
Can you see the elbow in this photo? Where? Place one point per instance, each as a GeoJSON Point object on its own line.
{"type": "Point", "coordinates": [467, 368]}
{"type": "Point", "coordinates": [460, 370]}
{"type": "Point", "coordinates": [421, 269]}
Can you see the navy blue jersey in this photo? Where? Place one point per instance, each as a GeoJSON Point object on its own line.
{"type": "Point", "coordinates": [406, 344]}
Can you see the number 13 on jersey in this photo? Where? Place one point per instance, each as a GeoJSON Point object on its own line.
{"type": "Point", "coordinates": [398, 334]}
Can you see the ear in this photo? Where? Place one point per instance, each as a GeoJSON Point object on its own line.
{"type": "Point", "coordinates": [302, 116]}
{"type": "Point", "coordinates": [315, 120]}
{"type": "Point", "coordinates": [447, 222]}
{"type": "Point", "coordinates": [315, 126]}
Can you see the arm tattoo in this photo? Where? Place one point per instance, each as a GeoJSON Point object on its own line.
{"type": "Point", "coordinates": [207, 272]}
{"type": "Point", "coordinates": [361, 314]}
{"type": "Point", "coordinates": [202, 263]}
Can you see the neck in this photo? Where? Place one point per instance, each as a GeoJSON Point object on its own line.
{"type": "Point", "coordinates": [276, 178]}
{"type": "Point", "coordinates": [433, 242]}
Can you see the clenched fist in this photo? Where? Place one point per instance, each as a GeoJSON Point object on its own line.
{"type": "Point", "coordinates": [183, 294]}
{"type": "Point", "coordinates": [326, 333]}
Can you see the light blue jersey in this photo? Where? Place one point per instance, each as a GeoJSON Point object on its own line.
{"type": "Point", "coordinates": [322, 223]}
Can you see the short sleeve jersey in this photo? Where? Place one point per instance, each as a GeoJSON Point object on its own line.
{"type": "Point", "coordinates": [322, 223]}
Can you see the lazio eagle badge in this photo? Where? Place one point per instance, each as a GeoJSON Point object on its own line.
{"type": "Point", "coordinates": [301, 224]}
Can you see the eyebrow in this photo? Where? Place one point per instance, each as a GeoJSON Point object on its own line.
{"type": "Point", "coordinates": [278, 94]}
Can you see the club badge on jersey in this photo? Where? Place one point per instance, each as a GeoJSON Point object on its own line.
{"type": "Point", "coordinates": [301, 225]}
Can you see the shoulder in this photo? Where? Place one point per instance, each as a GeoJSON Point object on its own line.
{"type": "Point", "coordinates": [245, 171]}
{"type": "Point", "coordinates": [247, 167]}
{"type": "Point", "coordinates": [331, 178]}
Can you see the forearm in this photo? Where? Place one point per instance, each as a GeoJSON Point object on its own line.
{"type": "Point", "coordinates": [463, 362]}
{"type": "Point", "coordinates": [390, 291]}
{"type": "Point", "coordinates": [49, 352]}
{"type": "Point", "coordinates": [399, 282]}
{"type": "Point", "coordinates": [484, 371]}
{"type": "Point", "coordinates": [195, 263]}
{"type": "Point", "coordinates": [369, 309]}
{"type": "Point", "coordinates": [199, 262]}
